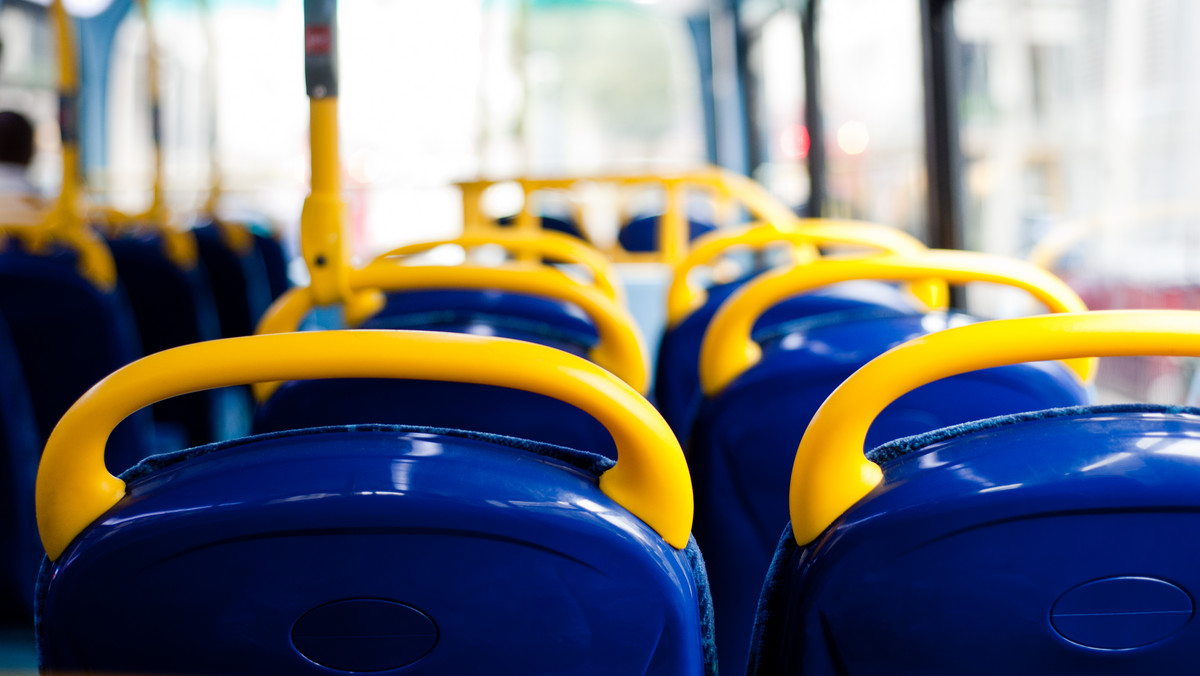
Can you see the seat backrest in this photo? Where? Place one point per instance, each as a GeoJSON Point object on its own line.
{"type": "Point", "coordinates": [997, 546]}
{"type": "Point", "coordinates": [499, 302]}
{"type": "Point", "coordinates": [68, 335]}
{"type": "Point", "coordinates": [275, 261]}
{"type": "Point", "coordinates": [691, 305]}
{"type": "Point", "coordinates": [240, 286]}
{"type": "Point", "coordinates": [677, 376]}
{"type": "Point", "coordinates": [640, 234]}
{"type": "Point", "coordinates": [375, 548]}
{"type": "Point", "coordinates": [747, 430]}
{"type": "Point", "coordinates": [19, 450]}
{"type": "Point", "coordinates": [172, 305]}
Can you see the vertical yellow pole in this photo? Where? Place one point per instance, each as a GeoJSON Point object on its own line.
{"type": "Point", "coordinates": [472, 206]}
{"type": "Point", "coordinates": [673, 226]}
{"type": "Point", "coordinates": [66, 217]}
{"type": "Point", "coordinates": [323, 236]}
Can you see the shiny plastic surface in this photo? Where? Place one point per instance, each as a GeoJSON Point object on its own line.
{"type": "Point", "coordinates": [74, 486]}
{"type": "Point", "coordinates": [677, 379]}
{"type": "Point", "coordinates": [974, 550]}
{"type": "Point", "coordinates": [520, 561]}
{"type": "Point", "coordinates": [744, 442]}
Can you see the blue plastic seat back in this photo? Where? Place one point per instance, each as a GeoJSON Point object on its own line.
{"type": "Point", "coordinates": [640, 234]}
{"type": "Point", "coordinates": [275, 263]}
{"type": "Point", "coordinates": [240, 285]}
{"type": "Point", "coordinates": [1056, 541]}
{"type": "Point", "coordinates": [172, 307]}
{"type": "Point", "coordinates": [677, 377]}
{"type": "Point", "coordinates": [455, 405]}
{"type": "Point", "coordinates": [19, 453]}
{"type": "Point", "coordinates": [68, 335]}
{"type": "Point", "coordinates": [382, 549]}
{"type": "Point", "coordinates": [558, 223]}
{"type": "Point", "coordinates": [742, 447]}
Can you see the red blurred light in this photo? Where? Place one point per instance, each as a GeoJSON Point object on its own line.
{"type": "Point", "coordinates": [793, 141]}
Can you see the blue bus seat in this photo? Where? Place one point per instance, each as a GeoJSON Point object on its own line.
{"type": "Point", "coordinates": [380, 548]}
{"type": "Point", "coordinates": [563, 223]}
{"type": "Point", "coordinates": [19, 451]}
{"type": "Point", "coordinates": [745, 435]}
{"type": "Point", "coordinates": [544, 321]}
{"type": "Point", "coordinates": [240, 285]}
{"type": "Point", "coordinates": [640, 234]}
{"type": "Point", "coordinates": [275, 261]}
{"type": "Point", "coordinates": [172, 306]}
{"type": "Point", "coordinates": [68, 335]}
{"type": "Point", "coordinates": [1042, 541]}
{"type": "Point", "coordinates": [677, 379]}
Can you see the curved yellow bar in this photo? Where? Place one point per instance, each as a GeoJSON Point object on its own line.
{"type": "Point", "coordinates": [728, 350]}
{"type": "Point", "coordinates": [685, 296]}
{"type": "Point", "coordinates": [650, 478]}
{"type": "Point", "coordinates": [831, 473]}
{"type": "Point", "coordinates": [619, 349]}
{"type": "Point", "coordinates": [543, 243]}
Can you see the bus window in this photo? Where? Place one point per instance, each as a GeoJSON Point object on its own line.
{"type": "Point", "coordinates": [1081, 150]}
{"type": "Point", "coordinates": [775, 84]}
{"type": "Point", "coordinates": [873, 111]}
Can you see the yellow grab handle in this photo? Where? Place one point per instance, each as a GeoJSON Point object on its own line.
{"type": "Point", "coordinates": [650, 478]}
{"type": "Point", "coordinates": [728, 350]}
{"type": "Point", "coordinates": [619, 349]}
{"type": "Point", "coordinates": [831, 473]}
{"type": "Point", "coordinates": [685, 296]}
{"type": "Point", "coordinates": [543, 243]}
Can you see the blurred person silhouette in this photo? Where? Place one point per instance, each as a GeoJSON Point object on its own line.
{"type": "Point", "coordinates": [20, 203]}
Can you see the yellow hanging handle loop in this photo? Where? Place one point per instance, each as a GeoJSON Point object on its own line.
{"type": "Point", "coordinates": [685, 296]}
{"type": "Point", "coordinates": [650, 478]}
{"type": "Point", "coordinates": [64, 223]}
{"type": "Point", "coordinates": [619, 349]}
{"type": "Point", "coordinates": [545, 244]}
{"type": "Point", "coordinates": [179, 245]}
{"type": "Point", "coordinates": [831, 473]}
{"type": "Point", "coordinates": [728, 350]}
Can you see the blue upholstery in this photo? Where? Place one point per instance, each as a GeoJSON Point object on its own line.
{"type": "Point", "coordinates": [677, 378]}
{"type": "Point", "coordinates": [240, 285]}
{"type": "Point", "coordinates": [69, 335]}
{"type": "Point", "coordinates": [558, 223]}
{"type": "Point", "coordinates": [1054, 541]}
{"type": "Point", "coordinates": [172, 307]}
{"type": "Point", "coordinates": [270, 250]}
{"type": "Point", "coordinates": [745, 438]}
{"type": "Point", "coordinates": [368, 549]}
{"type": "Point", "coordinates": [19, 452]}
{"type": "Point", "coordinates": [495, 410]}
{"type": "Point", "coordinates": [641, 233]}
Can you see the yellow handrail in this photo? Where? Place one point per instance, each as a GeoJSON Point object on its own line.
{"type": "Point", "coordinates": [650, 478]}
{"type": "Point", "coordinates": [728, 349]}
{"type": "Point", "coordinates": [63, 222]}
{"type": "Point", "coordinates": [540, 244]}
{"type": "Point", "coordinates": [619, 348]}
{"type": "Point", "coordinates": [831, 473]}
{"type": "Point", "coordinates": [684, 295]}
{"type": "Point", "coordinates": [725, 186]}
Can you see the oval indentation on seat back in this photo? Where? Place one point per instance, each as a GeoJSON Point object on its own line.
{"type": "Point", "coordinates": [364, 635]}
{"type": "Point", "coordinates": [1120, 613]}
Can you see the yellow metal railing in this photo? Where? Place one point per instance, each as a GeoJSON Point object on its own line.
{"type": "Point", "coordinates": [726, 189]}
